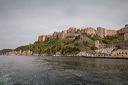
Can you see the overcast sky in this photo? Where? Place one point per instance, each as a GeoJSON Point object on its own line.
{"type": "Point", "coordinates": [21, 21]}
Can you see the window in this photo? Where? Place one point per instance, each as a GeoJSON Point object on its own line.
{"type": "Point", "coordinates": [117, 53]}
{"type": "Point", "coordinates": [126, 53]}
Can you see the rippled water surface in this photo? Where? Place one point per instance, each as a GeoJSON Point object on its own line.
{"type": "Point", "coordinates": [33, 70]}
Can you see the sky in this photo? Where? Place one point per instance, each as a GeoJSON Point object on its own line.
{"type": "Point", "coordinates": [22, 21]}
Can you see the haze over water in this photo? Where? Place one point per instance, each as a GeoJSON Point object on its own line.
{"type": "Point", "coordinates": [31, 70]}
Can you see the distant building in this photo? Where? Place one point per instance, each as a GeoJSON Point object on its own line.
{"type": "Point", "coordinates": [85, 54]}
{"type": "Point", "coordinates": [125, 36]}
{"type": "Point", "coordinates": [102, 32]}
{"type": "Point", "coordinates": [89, 31]}
{"type": "Point", "coordinates": [71, 32]}
{"type": "Point", "coordinates": [42, 38]}
{"type": "Point", "coordinates": [111, 32]}
{"type": "Point", "coordinates": [105, 50]}
{"type": "Point", "coordinates": [123, 30]}
{"type": "Point", "coordinates": [120, 52]}
{"type": "Point", "coordinates": [97, 44]}
{"type": "Point", "coordinates": [57, 35]}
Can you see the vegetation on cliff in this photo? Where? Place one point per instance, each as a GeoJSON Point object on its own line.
{"type": "Point", "coordinates": [3, 51]}
{"type": "Point", "coordinates": [69, 45]}
{"type": "Point", "coordinates": [113, 39]}
{"type": "Point", "coordinates": [52, 46]}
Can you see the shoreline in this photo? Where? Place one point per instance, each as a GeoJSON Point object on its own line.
{"type": "Point", "coordinates": [107, 57]}
{"type": "Point", "coordinates": [100, 57]}
{"type": "Point", "coordinates": [110, 57]}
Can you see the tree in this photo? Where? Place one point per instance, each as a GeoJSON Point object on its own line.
{"type": "Point", "coordinates": [70, 50]}
{"type": "Point", "coordinates": [94, 48]}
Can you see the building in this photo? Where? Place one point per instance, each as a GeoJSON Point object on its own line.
{"type": "Point", "coordinates": [111, 32]}
{"type": "Point", "coordinates": [120, 53]}
{"type": "Point", "coordinates": [57, 35]}
{"type": "Point", "coordinates": [123, 30]}
{"type": "Point", "coordinates": [85, 54]}
{"type": "Point", "coordinates": [71, 32]}
{"type": "Point", "coordinates": [89, 31]}
{"type": "Point", "coordinates": [102, 32]}
{"type": "Point", "coordinates": [125, 36]}
{"type": "Point", "coordinates": [97, 44]}
{"type": "Point", "coordinates": [64, 34]}
{"type": "Point", "coordinates": [105, 50]}
{"type": "Point", "coordinates": [42, 38]}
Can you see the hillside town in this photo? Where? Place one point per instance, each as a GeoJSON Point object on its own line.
{"type": "Point", "coordinates": [88, 42]}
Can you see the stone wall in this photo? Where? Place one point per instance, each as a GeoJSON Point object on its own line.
{"type": "Point", "coordinates": [97, 43]}
{"type": "Point", "coordinates": [111, 32]}
{"type": "Point", "coordinates": [120, 52]}
{"type": "Point", "coordinates": [89, 31]}
{"type": "Point", "coordinates": [105, 50]}
{"type": "Point", "coordinates": [57, 35]}
{"type": "Point", "coordinates": [72, 30]}
{"type": "Point", "coordinates": [102, 32]}
{"type": "Point", "coordinates": [126, 36]}
{"type": "Point", "coordinates": [42, 38]}
{"type": "Point", "coordinates": [66, 33]}
{"type": "Point", "coordinates": [123, 30]}
{"type": "Point", "coordinates": [85, 39]}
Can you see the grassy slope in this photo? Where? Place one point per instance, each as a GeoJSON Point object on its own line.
{"type": "Point", "coordinates": [69, 45]}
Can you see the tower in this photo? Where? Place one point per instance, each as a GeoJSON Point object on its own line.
{"type": "Point", "coordinates": [97, 44]}
{"type": "Point", "coordinates": [125, 36]}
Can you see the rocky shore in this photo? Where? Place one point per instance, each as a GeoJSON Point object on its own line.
{"type": "Point", "coordinates": [25, 53]}
{"type": "Point", "coordinates": [81, 54]}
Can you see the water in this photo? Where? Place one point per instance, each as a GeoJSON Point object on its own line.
{"type": "Point", "coordinates": [31, 70]}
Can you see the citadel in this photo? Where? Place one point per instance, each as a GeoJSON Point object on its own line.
{"type": "Point", "coordinates": [103, 49]}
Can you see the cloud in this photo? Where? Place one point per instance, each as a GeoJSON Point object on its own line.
{"type": "Point", "coordinates": [21, 21]}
